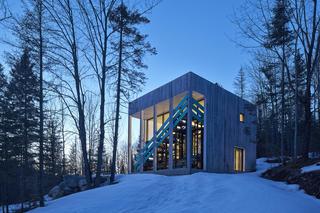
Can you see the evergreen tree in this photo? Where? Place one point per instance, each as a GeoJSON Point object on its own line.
{"type": "Point", "coordinates": [240, 84]}
{"type": "Point", "coordinates": [4, 148]}
{"type": "Point", "coordinates": [131, 46]}
{"type": "Point", "coordinates": [299, 88]}
{"type": "Point", "coordinates": [278, 40]}
{"type": "Point", "coordinates": [73, 165]}
{"type": "Point", "coordinates": [53, 149]}
{"type": "Point", "coordinates": [23, 97]}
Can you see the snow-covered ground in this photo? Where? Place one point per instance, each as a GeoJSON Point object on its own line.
{"type": "Point", "coordinates": [200, 192]}
{"type": "Point", "coordinates": [311, 168]}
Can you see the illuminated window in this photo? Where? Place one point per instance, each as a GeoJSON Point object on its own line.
{"type": "Point", "coordinates": [149, 129]}
{"type": "Point", "coordinates": [201, 102]}
{"type": "Point", "coordinates": [161, 119]}
{"type": "Point", "coordinates": [238, 159]}
{"type": "Point", "coordinates": [241, 117]}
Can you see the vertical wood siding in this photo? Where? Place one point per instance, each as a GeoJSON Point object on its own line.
{"type": "Point", "coordinates": [223, 127]}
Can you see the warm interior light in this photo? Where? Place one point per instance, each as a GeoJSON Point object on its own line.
{"type": "Point", "coordinates": [241, 117]}
{"type": "Point", "coordinates": [238, 159]}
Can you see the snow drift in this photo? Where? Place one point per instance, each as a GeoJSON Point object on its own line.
{"type": "Point", "coordinates": [200, 192]}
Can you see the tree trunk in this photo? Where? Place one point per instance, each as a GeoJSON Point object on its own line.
{"type": "Point", "coordinates": [116, 129]}
{"type": "Point", "coordinates": [41, 105]}
{"type": "Point", "coordinates": [80, 102]}
{"type": "Point", "coordinates": [102, 103]}
{"type": "Point", "coordinates": [282, 104]}
{"type": "Point", "coordinates": [82, 136]}
{"type": "Point", "coordinates": [63, 141]}
{"type": "Point", "coordinates": [296, 116]}
{"type": "Point", "coordinates": [308, 121]}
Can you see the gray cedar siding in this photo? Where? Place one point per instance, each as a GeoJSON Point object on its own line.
{"type": "Point", "coordinates": [223, 128]}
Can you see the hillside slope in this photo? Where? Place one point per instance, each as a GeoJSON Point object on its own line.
{"type": "Point", "coordinates": [201, 192]}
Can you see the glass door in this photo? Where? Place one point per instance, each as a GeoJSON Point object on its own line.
{"type": "Point", "coordinates": [238, 159]}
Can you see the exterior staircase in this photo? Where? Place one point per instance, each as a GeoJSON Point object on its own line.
{"type": "Point", "coordinates": [178, 114]}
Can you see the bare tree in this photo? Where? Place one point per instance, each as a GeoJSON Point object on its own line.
{"type": "Point", "coordinates": [306, 25]}
{"type": "Point", "coordinates": [92, 129]}
{"type": "Point", "coordinates": [95, 15]}
{"type": "Point", "coordinates": [4, 11]}
{"type": "Point", "coordinates": [65, 52]}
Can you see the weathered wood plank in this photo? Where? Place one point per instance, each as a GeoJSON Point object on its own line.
{"type": "Point", "coordinates": [223, 129]}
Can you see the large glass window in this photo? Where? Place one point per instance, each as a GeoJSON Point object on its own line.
{"type": "Point", "coordinates": [148, 165]}
{"type": "Point", "coordinates": [161, 119]}
{"type": "Point", "coordinates": [197, 144]}
{"type": "Point", "coordinates": [180, 144]}
{"type": "Point", "coordinates": [149, 129]}
{"type": "Point", "coordinates": [163, 149]}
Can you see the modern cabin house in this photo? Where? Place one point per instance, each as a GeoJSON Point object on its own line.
{"type": "Point", "coordinates": [191, 124]}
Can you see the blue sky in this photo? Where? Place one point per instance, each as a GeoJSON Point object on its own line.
{"type": "Point", "coordinates": [194, 36]}
{"type": "Point", "coordinates": [189, 35]}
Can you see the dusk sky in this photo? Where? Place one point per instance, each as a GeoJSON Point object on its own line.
{"type": "Point", "coordinates": [196, 37]}
{"type": "Point", "coordinates": [190, 36]}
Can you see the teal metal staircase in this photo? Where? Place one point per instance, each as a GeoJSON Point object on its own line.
{"type": "Point", "coordinates": [178, 114]}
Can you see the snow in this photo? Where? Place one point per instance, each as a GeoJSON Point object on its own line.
{"type": "Point", "coordinates": [311, 168]}
{"type": "Point", "coordinates": [200, 192]}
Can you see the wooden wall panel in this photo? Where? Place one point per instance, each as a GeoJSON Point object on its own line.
{"type": "Point", "coordinates": [224, 130]}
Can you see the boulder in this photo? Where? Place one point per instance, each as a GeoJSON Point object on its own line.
{"type": "Point", "coordinates": [70, 184]}
{"type": "Point", "coordinates": [82, 184]}
{"type": "Point", "coordinates": [55, 192]}
{"type": "Point", "coordinates": [71, 181]}
{"type": "Point", "coordinates": [103, 179]}
{"type": "Point", "coordinates": [66, 189]}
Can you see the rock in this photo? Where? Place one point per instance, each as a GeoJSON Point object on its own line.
{"type": "Point", "coordinates": [105, 179]}
{"type": "Point", "coordinates": [66, 189]}
{"type": "Point", "coordinates": [70, 184]}
{"type": "Point", "coordinates": [55, 192]}
{"type": "Point", "coordinates": [82, 184]}
{"type": "Point", "coordinates": [71, 181]}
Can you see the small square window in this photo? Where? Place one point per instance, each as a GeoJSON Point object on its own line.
{"type": "Point", "coordinates": [241, 117]}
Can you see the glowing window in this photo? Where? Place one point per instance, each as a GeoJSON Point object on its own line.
{"type": "Point", "coordinates": [149, 129]}
{"type": "Point", "coordinates": [239, 159]}
{"type": "Point", "coordinates": [241, 117]}
{"type": "Point", "coordinates": [201, 102]}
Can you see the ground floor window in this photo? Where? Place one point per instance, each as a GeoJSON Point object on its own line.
{"type": "Point", "coordinates": [163, 149]}
{"type": "Point", "coordinates": [197, 144]}
{"type": "Point", "coordinates": [163, 154]}
{"type": "Point", "coordinates": [179, 143]}
{"type": "Point", "coordinates": [179, 150]}
{"type": "Point", "coordinates": [239, 156]}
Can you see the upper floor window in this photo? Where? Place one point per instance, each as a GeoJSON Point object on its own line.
{"type": "Point", "coordinates": [241, 117]}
